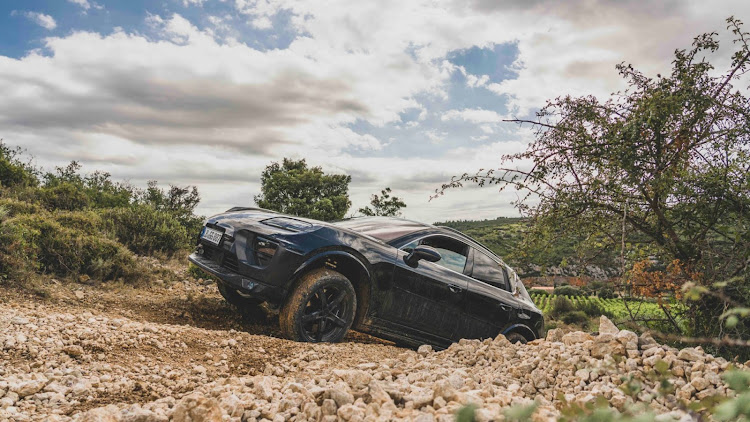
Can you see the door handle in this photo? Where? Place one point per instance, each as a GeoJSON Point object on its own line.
{"type": "Point", "coordinates": [455, 289]}
{"type": "Point", "coordinates": [505, 307]}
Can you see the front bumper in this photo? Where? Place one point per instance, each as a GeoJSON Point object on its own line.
{"type": "Point", "coordinates": [244, 284]}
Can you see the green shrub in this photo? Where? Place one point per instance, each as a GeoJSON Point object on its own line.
{"type": "Point", "coordinates": [13, 207]}
{"type": "Point", "coordinates": [39, 242]}
{"type": "Point", "coordinates": [145, 230]}
{"type": "Point", "coordinates": [540, 292]}
{"type": "Point", "coordinates": [14, 172]}
{"type": "Point", "coordinates": [561, 305]}
{"type": "Point", "coordinates": [607, 292]}
{"type": "Point", "coordinates": [568, 291]}
{"type": "Point", "coordinates": [63, 196]}
{"type": "Point", "coordinates": [593, 309]}
{"type": "Point", "coordinates": [574, 317]}
{"type": "Point", "coordinates": [88, 222]}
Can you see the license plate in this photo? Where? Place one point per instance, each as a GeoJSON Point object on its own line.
{"type": "Point", "coordinates": [212, 236]}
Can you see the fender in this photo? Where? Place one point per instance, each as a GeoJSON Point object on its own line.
{"type": "Point", "coordinates": [331, 253]}
{"type": "Point", "coordinates": [522, 329]}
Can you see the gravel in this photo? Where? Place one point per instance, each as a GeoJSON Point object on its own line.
{"type": "Point", "coordinates": [61, 363]}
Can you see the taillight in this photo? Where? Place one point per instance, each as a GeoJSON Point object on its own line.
{"type": "Point", "coordinates": [264, 250]}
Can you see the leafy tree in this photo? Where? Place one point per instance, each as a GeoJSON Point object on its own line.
{"type": "Point", "coordinates": [179, 201]}
{"type": "Point", "coordinates": [384, 205]}
{"type": "Point", "coordinates": [294, 188]}
{"type": "Point", "coordinates": [14, 172]}
{"type": "Point", "coordinates": [665, 163]}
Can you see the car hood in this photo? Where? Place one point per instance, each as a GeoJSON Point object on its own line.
{"type": "Point", "coordinates": [238, 218]}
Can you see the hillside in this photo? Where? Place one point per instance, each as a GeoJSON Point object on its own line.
{"type": "Point", "coordinates": [557, 258]}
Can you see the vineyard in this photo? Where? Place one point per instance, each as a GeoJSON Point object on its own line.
{"type": "Point", "coordinates": [615, 307]}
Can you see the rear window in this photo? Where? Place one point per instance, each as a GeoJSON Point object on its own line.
{"type": "Point", "coordinates": [489, 271]}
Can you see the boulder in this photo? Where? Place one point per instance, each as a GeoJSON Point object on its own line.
{"type": "Point", "coordinates": [197, 408]}
{"type": "Point", "coordinates": [576, 337]}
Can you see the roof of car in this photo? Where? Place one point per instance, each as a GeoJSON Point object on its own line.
{"type": "Point", "coordinates": [382, 228]}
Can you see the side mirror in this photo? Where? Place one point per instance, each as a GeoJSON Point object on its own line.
{"type": "Point", "coordinates": [422, 252]}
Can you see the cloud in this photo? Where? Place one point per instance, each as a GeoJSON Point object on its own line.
{"type": "Point", "coordinates": [86, 5]}
{"type": "Point", "coordinates": [83, 3]}
{"type": "Point", "coordinates": [187, 3]}
{"type": "Point", "coordinates": [475, 115]}
{"type": "Point", "coordinates": [45, 21]}
{"type": "Point", "coordinates": [181, 104]}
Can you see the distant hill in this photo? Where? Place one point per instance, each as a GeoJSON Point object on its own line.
{"type": "Point", "coordinates": [503, 235]}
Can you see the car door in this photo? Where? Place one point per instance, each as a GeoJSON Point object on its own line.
{"type": "Point", "coordinates": [428, 299]}
{"type": "Point", "coordinates": [489, 305]}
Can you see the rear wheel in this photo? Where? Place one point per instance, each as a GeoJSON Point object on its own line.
{"type": "Point", "coordinates": [320, 309]}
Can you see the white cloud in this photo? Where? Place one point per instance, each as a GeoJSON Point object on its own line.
{"type": "Point", "coordinates": [187, 3]}
{"type": "Point", "coordinates": [262, 22]}
{"type": "Point", "coordinates": [473, 115]}
{"type": "Point", "coordinates": [188, 107]}
{"type": "Point", "coordinates": [45, 21]}
{"type": "Point", "coordinates": [86, 5]}
{"type": "Point", "coordinates": [83, 3]}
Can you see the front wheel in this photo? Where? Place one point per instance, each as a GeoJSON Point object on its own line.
{"type": "Point", "coordinates": [516, 338]}
{"type": "Point", "coordinates": [320, 309]}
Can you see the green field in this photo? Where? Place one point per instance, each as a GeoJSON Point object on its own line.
{"type": "Point", "coordinates": [614, 307]}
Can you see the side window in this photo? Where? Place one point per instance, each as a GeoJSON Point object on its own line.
{"type": "Point", "coordinates": [453, 252]}
{"type": "Point", "coordinates": [487, 270]}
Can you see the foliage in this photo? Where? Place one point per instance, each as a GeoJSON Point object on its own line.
{"type": "Point", "coordinates": [561, 305]}
{"type": "Point", "coordinates": [68, 189]}
{"type": "Point", "coordinates": [508, 238]}
{"type": "Point", "coordinates": [14, 172]}
{"type": "Point", "coordinates": [79, 225]}
{"type": "Point", "coordinates": [538, 292]}
{"type": "Point", "coordinates": [384, 205]}
{"type": "Point", "coordinates": [649, 312]}
{"type": "Point", "coordinates": [567, 291]}
{"type": "Point", "coordinates": [593, 309]}
{"type": "Point", "coordinates": [294, 188]}
{"type": "Point", "coordinates": [575, 317]}
{"type": "Point", "coordinates": [39, 242]}
{"type": "Point", "coordinates": [466, 413]}
{"type": "Point", "coordinates": [660, 170]}
{"type": "Point", "coordinates": [737, 407]}
{"type": "Point", "coordinates": [145, 230]}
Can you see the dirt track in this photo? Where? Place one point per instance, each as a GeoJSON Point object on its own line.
{"type": "Point", "coordinates": [107, 352]}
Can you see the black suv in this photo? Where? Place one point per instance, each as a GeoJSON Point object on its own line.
{"type": "Point", "coordinates": [405, 281]}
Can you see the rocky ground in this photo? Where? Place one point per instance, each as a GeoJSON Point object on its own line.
{"type": "Point", "coordinates": [178, 353]}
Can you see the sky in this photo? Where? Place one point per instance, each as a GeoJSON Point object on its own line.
{"type": "Point", "coordinates": [400, 94]}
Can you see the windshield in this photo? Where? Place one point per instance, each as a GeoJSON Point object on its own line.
{"type": "Point", "coordinates": [381, 228]}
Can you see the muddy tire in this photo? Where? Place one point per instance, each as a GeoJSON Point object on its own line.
{"type": "Point", "coordinates": [320, 309]}
{"type": "Point", "coordinates": [516, 338]}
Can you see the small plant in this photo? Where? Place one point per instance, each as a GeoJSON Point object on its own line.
{"type": "Point", "coordinates": [561, 305]}
{"type": "Point", "coordinates": [575, 318]}
{"type": "Point", "coordinates": [568, 291]}
{"type": "Point", "coordinates": [538, 292]}
{"type": "Point", "coordinates": [593, 309]}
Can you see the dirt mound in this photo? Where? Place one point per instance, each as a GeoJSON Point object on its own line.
{"type": "Point", "coordinates": [61, 362]}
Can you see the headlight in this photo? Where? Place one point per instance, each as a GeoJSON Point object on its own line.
{"type": "Point", "coordinates": [264, 250]}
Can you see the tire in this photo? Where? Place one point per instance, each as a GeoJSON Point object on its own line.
{"type": "Point", "coordinates": [320, 309]}
{"type": "Point", "coordinates": [516, 338]}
